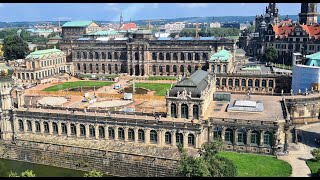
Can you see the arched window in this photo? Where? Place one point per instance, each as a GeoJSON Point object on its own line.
{"type": "Point", "coordinates": [21, 127]}
{"type": "Point", "coordinates": [96, 55]}
{"type": "Point", "coordinates": [168, 57]}
{"type": "Point", "coordinates": [109, 68]}
{"type": "Point", "coordinates": [189, 69]}
{"type": "Point", "coordinates": [257, 83]}
{"type": "Point", "coordinates": [184, 111]}
{"type": "Point", "coordinates": [154, 69]}
{"type": "Point", "coordinates": [264, 83]}
{"type": "Point", "coordinates": [182, 56]}
{"type": "Point", "coordinates": [241, 136]}
{"type": "Point", "coordinates": [175, 56]}
{"type": "Point", "coordinates": [160, 69]}
{"type": "Point", "coordinates": [46, 127]}
{"type": "Point", "coordinates": [109, 55]}
{"type": "Point", "coordinates": [123, 56]}
{"type": "Point", "coordinates": [254, 140]}
{"type": "Point", "coordinates": [92, 131]}
{"type": "Point", "coordinates": [130, 134]}
{"type": "Point", "coordinates": [78, 66]}
{"type": "Point", "coordinates": [82, 130]}
{"type": "Point", "coordinates": [174, 68]}
{"type": "Point", "coordinates": [154, 56]}
{"type": "Point", "coordinates": [153, 136]}
{"type": "Point", "coordinates": [101, 132]}
{"type": "Point", "coordinates": [181, 69]}
{"type": "Point", "coordinates": [228, 136]}
{"type": "Point", "coordinates": [197, 56]}
{"type": "Point", "coordinates": [230, 82]}
{"type": "Point", "coordinates": [173, 110]}
{"type": "Point", "coordinates": [236, 82]}
{"type": "Point", "coordinates": [97, 68]}
{"type": "Point", "coordinates": [204, 56]}
{"type": "Point", "coordinates": [103, 55]}
{"type": "Point", "coordinates": [104, 68]}
{"type": "Point", "coordinates": [64, 128]}
{"type": "Point", "coordinates": [191, 140]}
{"type": "Point", "coordinates": [167, 68]}
{"type": "Point", "coordinates": [218, 68]}
{"type": "Point", "coordinates": [29, 125]}
{"type": "Point", "coordinates": [179, 138]}
{"type": "Point", "coordinates": [73, 129]}
{"type": "Point", "coordinates": [84, 67]}
{"type": "Point", "coordinates": [78, 55]}
{"type": "Point", "coordinates": [90, 67]}
{"type": "Point", "coordinates": [218, 82]}
{"type": "Point", "coordinates": [161, 57]}
{"type": "Point", "coordinates": [224, 81]}
{"type": "Point", "coordinates": [37, 126]}
{"type": "Point", "coordinates": [136, 56]}
{"type": "Point", "coordinates": [167, 138]}
{"type": "Point", "coordinates": [267, 139]}
{"type": "Point", "coordinates": [55, 128]}
{"type": "Point", "coordinates": [224, 68]}
{"type": "Point", "coordinates": [84, 55]}
{"type": "Point", "coordinates": [111, 133]}
{"type": "Point", "coordinates": [121, 133]}
{"type": "Point", "coordinates": [243, 83]}
{"type": "Point", "coordinates": [195, 112]}
{"type": "Point", "coordinates": [141, 135]}
{"type": "Point", "coordinates": [90, 55]}
{"type": "Point", "coordinates": [217, 134]}
{"type": "Point", "coordinates": [116, 68]}
{"type": "Point", "coordinates": [116, 55]}
{"type": "Point", "coordinates": [250, 83]}
{"type": "Point", "coordinates": [33, 65]}
{"type": "Point", "coordinates": [270, 83]}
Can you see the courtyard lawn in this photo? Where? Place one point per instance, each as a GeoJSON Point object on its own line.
{"type": "Point", "coordinates": [76, 84]}
{"type": "Point", "coordinates": [313, 166]}
{"type": "Point", "coordinates": [162, 78]}
{"type": "Point", "coordinates": [253, 165]}
{"type": "Point", "coordinates": [159, 88]}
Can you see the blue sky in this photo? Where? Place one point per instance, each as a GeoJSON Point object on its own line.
{"type": "Point", "coordinates": [10, 12]}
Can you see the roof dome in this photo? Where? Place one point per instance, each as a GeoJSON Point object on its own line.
{"type": "Point", "coordinates": [5, 71]}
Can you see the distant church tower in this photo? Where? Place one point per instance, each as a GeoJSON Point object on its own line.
{"type": "Point", "coordinates": [121, 21]}
{"type": "Point", "coordinates": [309, 13]}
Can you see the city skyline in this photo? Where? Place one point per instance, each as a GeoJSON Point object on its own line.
{"type": "Point", "coordinates": [133, 11]}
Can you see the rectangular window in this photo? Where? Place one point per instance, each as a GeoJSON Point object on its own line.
{"type": "Point", "coordinates": [254, 138]}
{"type": "Point", "coordinates": [73, 129]}
{"type": "Point", "coordinates": [267, 139]}
{"type": "Point", "coordinates": [64, 128]}
{"type": "Point", "coordinates": [167, 139]}
{"type": "Point", "coordinates": [240, 138]}
{"type": "Point", "coordinates": [141, 136]}
{"type": "Point", "coordinates": [228, 137]}
{"type": "Point", "coordinates": [37, 127]}
{"type": "Point", "coordinates": [111, 133]}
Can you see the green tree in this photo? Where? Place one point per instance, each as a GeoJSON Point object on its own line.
{"type": "Point", "coordinates": [14, 48]}
{"type": "Point", "coordinates": [173, 35]}
{"type": "Point", "coordinates": [28, 173]}
{"type": "Point", "coordinates": [209, 164]}
{"type": "Point", "coordinates": [270, 55]}
{"type": "Point", "coordinates": [316, 154]}
{"type": "Point", "coordinates": [53, 34]}
{"type": "Point", "coordinates": [93, 173]}
{"type": "Point", "coordinates": [13, 174]}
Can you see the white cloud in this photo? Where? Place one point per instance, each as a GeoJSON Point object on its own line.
{"type": "Point", "coordinates": [193, 5]}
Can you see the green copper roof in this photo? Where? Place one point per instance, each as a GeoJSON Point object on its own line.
{"type": "Point", "coordinates": [77, 24]}
{"type": "Point", "coordinates": [103, 33]}
{"type": "Point", "coordinates": [44, 53]}
{"type": "Point", "coordinates": [222, 55]}
{"type": "Point", "coordinates": [314, 59]}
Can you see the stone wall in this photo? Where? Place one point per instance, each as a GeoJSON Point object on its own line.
{"type": "Point", "coordinates": [112, 163]}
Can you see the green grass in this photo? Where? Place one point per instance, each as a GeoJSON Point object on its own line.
{"type": "Point", "coordinates": [162, 78]}
{"type": "Point", "coordinates": [159, 88]}
{"type": "Point", "coordinates": [314, 166]}
{"type": "Point", "coordinates": [253, 165]}
{"type": "Point", "coordinates": [76, 84]}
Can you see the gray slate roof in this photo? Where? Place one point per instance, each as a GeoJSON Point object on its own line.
{"type": "Point", "coordinates": [197, 82]}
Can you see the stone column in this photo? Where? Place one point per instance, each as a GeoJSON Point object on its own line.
{"type": "Point", "coordinates": [87, 131]}
{"type": "Point", "coordinates": [160, 137]}
{"type": "Point", "coordinates": [25, 125]}
{"type": "Point", "coordinates": [157, 70]}
{"type": "Point", "coordinates": [235, 137]}
{"type": "Point", "coordinates": [136, 134]}
{"type": "Point", "coordinates": [147, 136]}
{"type": "Point", "coordinates": [185, 139]}
{"type": "Point", "coordinates": [59, 128]}
{"type": "Point", "coordinates": [116, 133]}
{"type": "Point", "coordinates": [33, 124]}
{"type": "Point", "coordinates": [68, 129]}
{"type": "Point", "coordinates": [198, 140]}
{"type": "Point", "coordinates": [15, 124]}
{"type": "Point", "coordinates": [125, 134]}
{"type": "Point", "coordinates": [106, 132]}
{"type": "Point", "coordinates": [261, 138]}
{"type": "Point", "coordinates": [133, 69]}
{"type": "Point", "coordinates": [190, 110]}
{"type": "Point", "coordinates": [248, 137]}
{"type": "Point", "coordinates": [173, 138]}
{"type": "Point", "coordinates": [50, 128]}
{"type": "Point", "coordinates": [178, 109]}
{"type": "Point", "coordinates": [78, 130]}
{"type": "Point", "coordinates": [97, 131]}
{"type": "Point", "coordinates": [41, 126]}
{"type": "Point", "coordinates": [223, 131]}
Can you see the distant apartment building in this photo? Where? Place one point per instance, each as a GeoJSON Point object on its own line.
{"type": "Point", "coordinates": [200, 25]}
{"type": "Point", "coordinates": [174, 27]}
{"type": "Point", "coordinates": [231, 25]}
{"type": "Point", "coordinates": [76, 29]}
{"type": "Point", "coordinates": [215, 25]}
{"type": "Point", "coordinates": [40, 32]}
{"type": "Point", "coordinates": [40, 66]}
